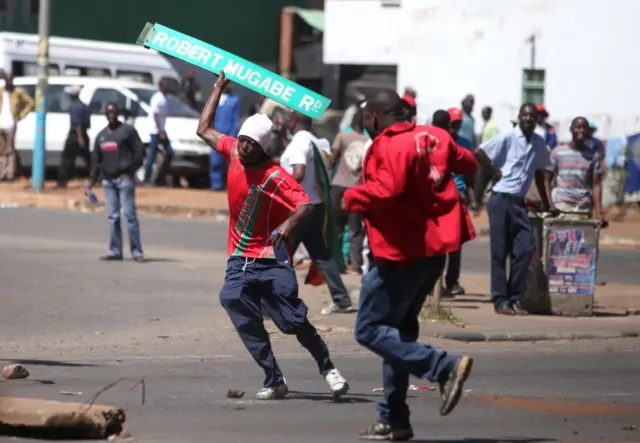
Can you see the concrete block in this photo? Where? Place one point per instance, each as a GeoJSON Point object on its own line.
{"type": "Point", "coordinates": [34, 418]}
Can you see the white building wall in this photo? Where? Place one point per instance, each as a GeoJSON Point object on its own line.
{"type": "Point", "coordinates": [362, 32]}
{"type": "Point", "coordinates": [448, 48]}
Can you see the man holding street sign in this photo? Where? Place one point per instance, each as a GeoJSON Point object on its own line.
{"type": "Point", "coordinates": [261, 196]}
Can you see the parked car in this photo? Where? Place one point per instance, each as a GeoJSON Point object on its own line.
{"type": "Point", "coordinates": [191, 161]}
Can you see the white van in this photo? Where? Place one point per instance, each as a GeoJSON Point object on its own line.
{"type": "Point", "coordinates": [191, 160]}
{"type": "Point", "coordinates": [85, 58]}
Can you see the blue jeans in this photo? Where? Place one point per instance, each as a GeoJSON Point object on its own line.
{"type": "Point", "coordinates": [152, 152]}
{"type": "Point", "coordinates": [391, 297]}
{"type": "Point", "coordinates": [511, 238]}
{"type": "Point", "coordinates": [251, 285]}
{"type": "Point", "coordinates": [120, 194]}
{"type": "Point", "coordinates": [217, 170]}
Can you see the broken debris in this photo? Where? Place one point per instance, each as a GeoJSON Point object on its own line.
{"type": "Point", "coordinates": [15, 372]}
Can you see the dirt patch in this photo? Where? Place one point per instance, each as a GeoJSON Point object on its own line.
{"type": "Point", "coordinates": [562, 407]}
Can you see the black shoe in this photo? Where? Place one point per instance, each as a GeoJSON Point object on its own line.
{"type": "Point", "coordinates": [454, 290]}
{"type": "Point", "coordinates": [382, 431]}
{"type": "Point", "coordinates": [111, 258]}
{"type": "Point", "coordinates": [451, 389]}
{"type": "Point", "coordinates": [504, 308]}
{"type": "Point", "coordinates": [518, 309]}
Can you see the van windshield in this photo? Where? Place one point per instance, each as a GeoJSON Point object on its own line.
{"type": "Point", "coordinates": [176, 107]}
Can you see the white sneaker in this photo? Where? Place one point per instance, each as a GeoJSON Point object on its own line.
{"type": "Point", "coordinates": [335, 308]}
{"type": "Point", "coordinates": [337, 383]}
{"type": "Point", "coordinates": [275, 393]}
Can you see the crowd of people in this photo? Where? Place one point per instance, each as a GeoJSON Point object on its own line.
{"type": "Point", "coordinates": [403, 195]}
{"type": "Point", "coordinates": [277, 204]}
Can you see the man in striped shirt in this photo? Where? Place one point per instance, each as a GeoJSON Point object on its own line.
{"type": "Point", "coordinates": [578, 175]}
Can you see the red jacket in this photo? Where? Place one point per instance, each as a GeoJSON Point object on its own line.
{"type": "Point", "coordinates": [452, 222]}
{"type": "Point", "coordinates": [408, 198]}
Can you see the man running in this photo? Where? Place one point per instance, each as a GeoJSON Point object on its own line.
{"type": "Point", "coordinates": [261, 196]}
{"type": "Point", "coordinates": [403, 218]}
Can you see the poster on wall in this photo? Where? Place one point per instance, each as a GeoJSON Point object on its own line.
{"type": "Point", "coordinates": [572, 261]}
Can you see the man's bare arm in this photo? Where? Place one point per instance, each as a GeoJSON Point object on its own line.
{"type": "Point", "coordinates": [542, 180]}
{"type": "Point", "coordinates": [205, 124]}
{"type": "Point", "coordinates": [298, 172]}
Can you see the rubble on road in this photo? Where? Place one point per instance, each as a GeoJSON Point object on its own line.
{"type": "Point", "coordinates": [43, 419]}
{"type": "Point", "coordinates": [15, 372]}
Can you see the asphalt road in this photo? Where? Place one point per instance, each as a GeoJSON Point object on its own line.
{"type": "Point", "coordinates": [79, 324]}
{"type": "Point", "coordinates": [615, 265]}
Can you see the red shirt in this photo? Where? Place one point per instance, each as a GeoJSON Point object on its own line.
{"type": "Point", "coordinates": [404, 196]}
{"type": "Point", "coordinates": [260, 199]}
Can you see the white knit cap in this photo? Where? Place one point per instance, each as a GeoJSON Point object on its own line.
{"type": "Point", "coordinates": [258, 128]}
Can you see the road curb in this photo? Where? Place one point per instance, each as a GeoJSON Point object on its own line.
{"type": "Point", "coordinates": [474, 337]}
{"type": "Point", "coordinates": [79, 203]}
{"type": "Point", "coordinates": [75, 203]}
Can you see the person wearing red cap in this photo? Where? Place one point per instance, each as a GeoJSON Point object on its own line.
{"type": "Point", "coordinates": [544, 129]}
{"type": "Point", "coordinates": [410, 107]}
{"type": "Point", "coordinates": [410, 207]}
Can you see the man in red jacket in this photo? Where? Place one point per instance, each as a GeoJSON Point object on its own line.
{"type": "Point", "coordinates": [404, 169]}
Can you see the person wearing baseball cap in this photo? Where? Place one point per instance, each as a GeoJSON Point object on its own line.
{"type": "Point", "coordinates": [544, 129]}
{"type": "Point", "coordinates": [261, 196]}
{"type": "Point", "coordinates": [77, 142]}
{"type": "Point", "coordinates": [410, 107]}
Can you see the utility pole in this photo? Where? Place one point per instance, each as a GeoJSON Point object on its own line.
{"type": "Point", "coordinates": [38, 163]}
{"type": "Point", "coordinates": [532, 41]}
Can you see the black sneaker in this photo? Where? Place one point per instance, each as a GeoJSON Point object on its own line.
{"type": "Point", "coordinates": [518, 309]}
{"type": "Point", "coordinates": [504, 308]}
{"type": "Point", "coordinates": [454, 290]}
{"type": "Point", "coordinates": [451, 389]}
{"type": "Point", "coordinates": [382, 431]}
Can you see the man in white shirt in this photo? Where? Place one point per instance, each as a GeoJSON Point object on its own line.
{"type": "Point", "coordinates": [298, 160]}
{"type": "Point", "coordinates": [159, 110]}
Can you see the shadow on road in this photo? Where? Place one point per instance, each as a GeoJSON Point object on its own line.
{"type": "Point", "coordinates": [160, 260]}
{"type": "Point", "coordinates": [488, 440]}
{"type": "Point", "coordinates": [315, 396]}
{"type": "Point", "coordinates": [47, 363]}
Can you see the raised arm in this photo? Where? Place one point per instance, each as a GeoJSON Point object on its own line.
{"type": "Point", "coordinates": [205, 124]}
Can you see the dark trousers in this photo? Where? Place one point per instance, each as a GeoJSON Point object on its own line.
{"type": "Point", "coordinates": [70, 152]}
{"type": "Point", "coordinates": [310, 233]}
{"type": "Point", "coordinates": [356, 230]}
{"type": "Point", "coordinates": [454, 262]}
{"type": "Point", "coordinates": [511, 238]}
{"type": "Point", "coordinates": [250, 284]}
{"type": "Point", "coordinates": [391, 297]}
